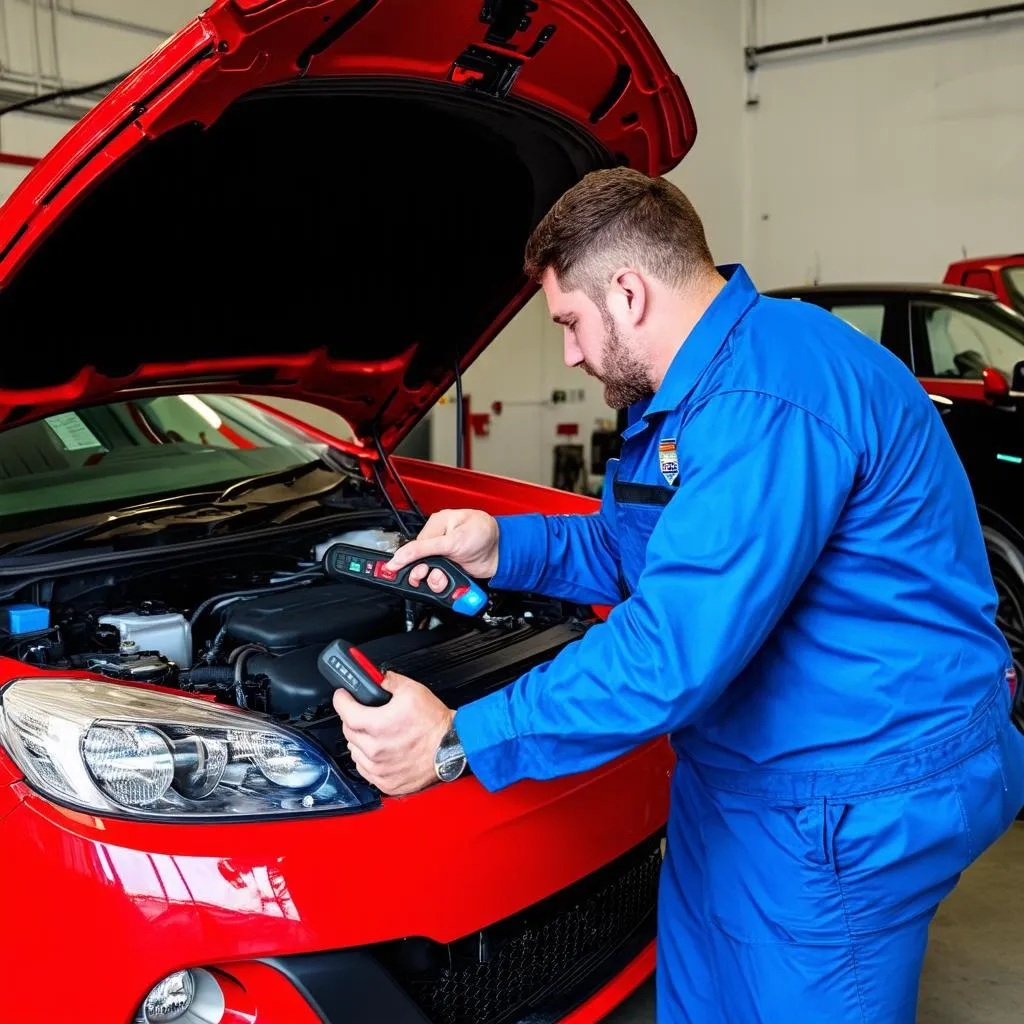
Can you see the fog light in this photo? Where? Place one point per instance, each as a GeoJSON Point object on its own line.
{"type": "Point", "coordinates": [170, 999]}
{"type": "Point", "coordinates": [185, 997]}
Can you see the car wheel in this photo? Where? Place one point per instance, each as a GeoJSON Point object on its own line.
{"type": "Point", "coordinates": [1008, 575]}
{"type": "Point", "coordinates": [1007, 565]}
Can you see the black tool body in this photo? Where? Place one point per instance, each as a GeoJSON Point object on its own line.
{"type": "Point", "coordinates": [346, 667]}
{"type": "Point", "coordinates": [462, 594]}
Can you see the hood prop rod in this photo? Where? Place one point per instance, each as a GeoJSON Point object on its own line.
{"type": "Point", "coordinates": [393, 473]}
{"type": "Point", "coordinates": [460, 426]}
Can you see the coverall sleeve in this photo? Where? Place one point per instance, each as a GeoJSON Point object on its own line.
{"type": "Point", "coordinates": [762, 485]}
{"type": "Point", "coordinates": [574, 557]}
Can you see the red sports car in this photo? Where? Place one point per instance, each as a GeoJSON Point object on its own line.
{"type": "Point", "coordinates": [325, 202]}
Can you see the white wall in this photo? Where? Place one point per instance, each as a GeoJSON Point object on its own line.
{"type": "Point", "coordinates": [703, 42]}
{"type": "Point", "coordinates": [884, 161]}
{"type": "Point", "coordinates": [47, 45]}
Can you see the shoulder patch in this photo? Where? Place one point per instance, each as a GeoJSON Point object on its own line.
{"type": "Point", "coordinates": [668, 460]}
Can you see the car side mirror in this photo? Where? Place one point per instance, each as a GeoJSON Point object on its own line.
{"type": "Point", "coordinates": [1017, 380]}
{"type": "Point", "coordinates": [995, 383]}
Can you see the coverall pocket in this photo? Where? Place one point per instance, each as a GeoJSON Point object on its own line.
{"type": "Point", "coordinates": [636, 523]}
{"type": "Point", "coordinates": [990, 786]}
{"type": "Point", "coordinates": [771, 875]}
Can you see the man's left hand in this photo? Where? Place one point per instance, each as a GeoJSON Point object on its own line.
{"type": "Point", "coordinates": [393, 746]}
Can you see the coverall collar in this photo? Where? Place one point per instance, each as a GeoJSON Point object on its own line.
{"type": "Point", "coordinates": [702, 344]}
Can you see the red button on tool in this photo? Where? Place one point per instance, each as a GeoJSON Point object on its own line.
{"type": "Point", "coordinates": [458, 592]}
{"type": "Point", "coordinates": [381, 571]}
{"type": "Point", "coordinates": [366, 665]}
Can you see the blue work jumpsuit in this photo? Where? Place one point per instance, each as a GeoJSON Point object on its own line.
{"type": "Point", "coordinates": [811, 616]}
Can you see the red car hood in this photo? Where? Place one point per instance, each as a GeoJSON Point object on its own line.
{"type": "Point", "coordinates": [326, 200]}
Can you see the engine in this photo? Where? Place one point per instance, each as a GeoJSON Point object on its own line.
{"type": "Point", "coordinates": [248, 629]}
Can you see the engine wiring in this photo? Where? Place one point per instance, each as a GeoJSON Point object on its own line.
{"type": "Point", "coordinates": [218, 601]}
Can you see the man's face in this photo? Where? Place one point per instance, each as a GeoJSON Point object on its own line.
{"type": "Point", "coordinates": [597, 343]}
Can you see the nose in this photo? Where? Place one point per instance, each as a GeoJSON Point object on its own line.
{"type": "Point", "coordinates": [571, 352]}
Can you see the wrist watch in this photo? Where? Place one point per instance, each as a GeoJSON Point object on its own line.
{"type": "Point", "coordinates": [450, 758]}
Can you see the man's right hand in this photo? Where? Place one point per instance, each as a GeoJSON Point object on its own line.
{"type": "Point", "coordinates": [467, 536]}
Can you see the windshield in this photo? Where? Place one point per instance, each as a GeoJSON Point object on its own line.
{"type": "Point", "coordinates": [1014, 278]}
{"type": "Point", "coordinates": [128, 452]}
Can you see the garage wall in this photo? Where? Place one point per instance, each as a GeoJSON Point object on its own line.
{"type": "Point", "coordinates": [52, 44]}
{"type": "Point", "coordinates": [703, 42]}
{"type": "Point", "coordinates": [883, 161]}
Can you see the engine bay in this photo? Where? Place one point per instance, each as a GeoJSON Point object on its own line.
{"type": "Point", "coordinates": [247, 628]}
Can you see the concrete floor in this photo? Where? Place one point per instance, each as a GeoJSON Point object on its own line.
{"type": "Point", "coordinates": [974, 971]}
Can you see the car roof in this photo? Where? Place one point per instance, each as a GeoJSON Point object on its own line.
{"type": "Point", "coordinates": [1011, 259]}
{"type": "Point", "coordinates": [881, 287]}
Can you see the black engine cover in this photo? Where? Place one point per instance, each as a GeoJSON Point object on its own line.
{"type": "Point", "coordinates": [457, 663]}
{"type": "Point", "coordinates": [283, 621]}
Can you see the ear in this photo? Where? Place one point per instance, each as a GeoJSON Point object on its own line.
{"type": "Point", "coordinates": [628, 297]}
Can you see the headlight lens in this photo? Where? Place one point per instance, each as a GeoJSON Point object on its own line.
{"type": "Point", "coordinates": [133, 763]}
{"type": "Point", "coordinates": [120, 750]}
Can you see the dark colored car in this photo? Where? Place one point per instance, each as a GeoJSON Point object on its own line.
{"type": "Point", "coordinates": [966, 348]}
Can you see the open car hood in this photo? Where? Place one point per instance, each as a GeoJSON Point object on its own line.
{"type": "Point", "coordinates": [321, 200]}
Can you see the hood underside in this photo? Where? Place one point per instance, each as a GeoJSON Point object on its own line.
{"type": "Point", "coordinates": [344, 237]}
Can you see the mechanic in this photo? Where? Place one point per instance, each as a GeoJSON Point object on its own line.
{"type": "Point", "coordinates": [802, 600]}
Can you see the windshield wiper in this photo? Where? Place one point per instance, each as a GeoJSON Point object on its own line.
{"type": "Point", "coordinates": [111, 521]}
{"type": "Point", "coordinates": [222, 504]}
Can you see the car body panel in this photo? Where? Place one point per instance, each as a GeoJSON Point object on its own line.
{"type": "Point", "coordinates": [229, 896]}
{"type": "Point", "coordinates": [186, 894]}
{"type": "Point", "coordinates": [590, 63]}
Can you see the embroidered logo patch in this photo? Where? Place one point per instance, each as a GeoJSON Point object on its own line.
{"type": "Point", "coordinates": [668, 460]}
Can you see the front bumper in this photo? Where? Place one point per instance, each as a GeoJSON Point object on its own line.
{"type": "Point", "coordinates": [539, 966]}
{"type": "Point", "coordinates": [110, 907]}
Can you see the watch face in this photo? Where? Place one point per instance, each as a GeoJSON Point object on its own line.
{"type": "Point", "coordinates": [450, 760]}
{"type": "Point", "coordinates": [451, 768]}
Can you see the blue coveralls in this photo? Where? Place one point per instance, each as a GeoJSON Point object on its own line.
{"type": "Point", "coordinates": [811, 617]}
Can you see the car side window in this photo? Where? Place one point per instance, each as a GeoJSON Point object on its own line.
{"type": "Point", "coordinates": [962, 345]}
{"type": "Point", "coordinates": [1014, 278]}
{"type": "Point", "coordinates": [868, 319]}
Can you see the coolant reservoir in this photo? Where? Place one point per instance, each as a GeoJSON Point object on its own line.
{"type": "Point", "coordinates": [387, 541]}
{"type": "Point", "coordinates": [170, 634]}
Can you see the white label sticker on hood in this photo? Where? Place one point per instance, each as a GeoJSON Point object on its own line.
{"type": "Point", "coordinates": [72, 431]}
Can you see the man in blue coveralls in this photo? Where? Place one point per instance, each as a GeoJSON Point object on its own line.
{"type": "Point", "coordinates": [803, 601]}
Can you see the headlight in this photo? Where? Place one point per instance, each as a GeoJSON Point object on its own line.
{"type": "Point", "coordinates": [126, 750]}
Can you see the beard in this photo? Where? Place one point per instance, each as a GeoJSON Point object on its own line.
{"type": "Point", "coordinates": [625, 378]}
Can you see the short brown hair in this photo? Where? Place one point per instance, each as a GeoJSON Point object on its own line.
{"type": "Point", "coordinates": [617, 217]}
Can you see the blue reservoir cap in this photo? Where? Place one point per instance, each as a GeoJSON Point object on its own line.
{"type": "Point", "coordinates": [19, 619]}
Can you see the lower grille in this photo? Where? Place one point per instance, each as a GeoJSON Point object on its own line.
{"type": "Point", "coordinates": [538, 965]}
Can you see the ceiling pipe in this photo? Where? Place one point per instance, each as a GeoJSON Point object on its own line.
{"type": "Point", "coordinates": [754, 54]}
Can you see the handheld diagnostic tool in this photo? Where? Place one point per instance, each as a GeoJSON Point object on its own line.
{"type": "Point", "coordinates": [344, 666]}
{"type": "Point", "coordinates": [462, 595]}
